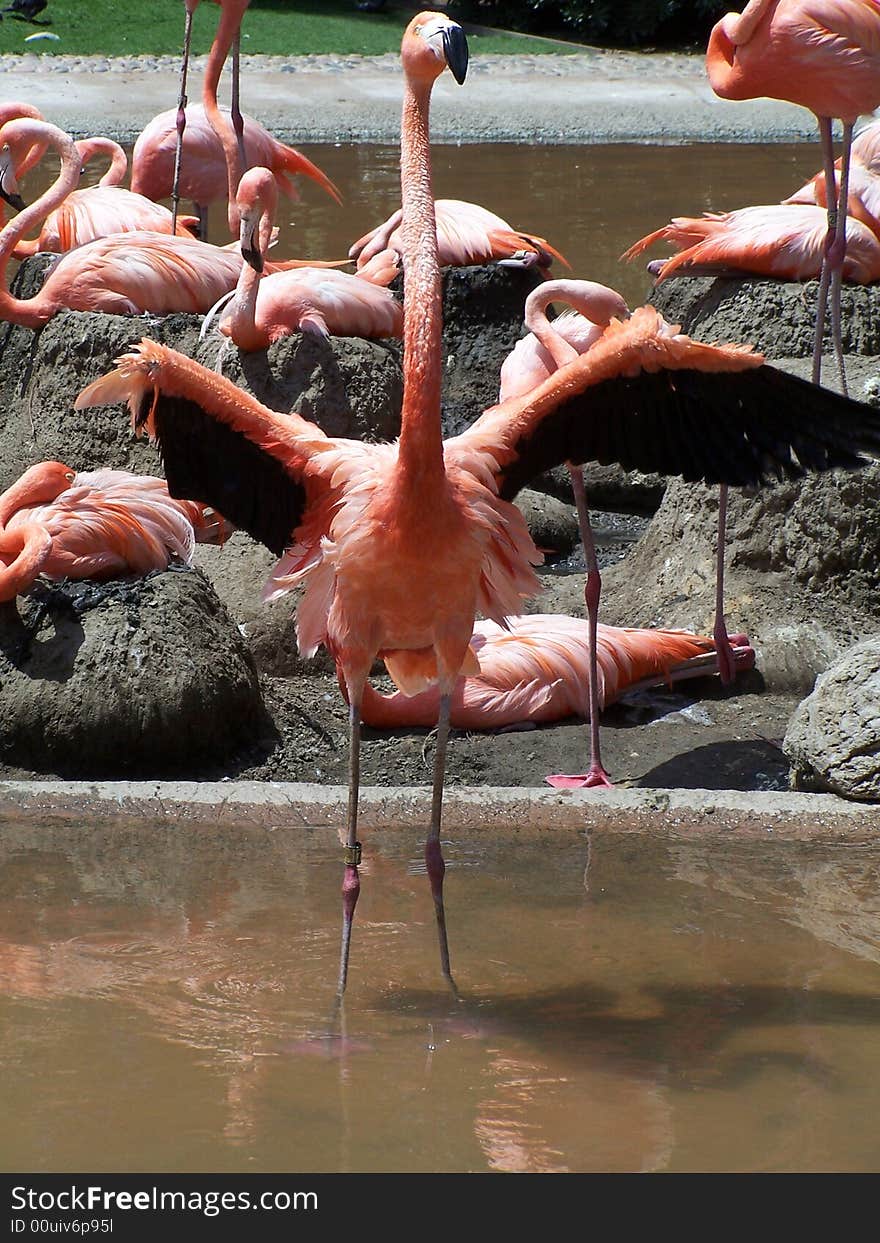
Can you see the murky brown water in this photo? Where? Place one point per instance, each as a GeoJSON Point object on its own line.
{"type": "Point", "coordinates": [592, 202]}
{"type": "Point", "coordinates": [166, 1002]}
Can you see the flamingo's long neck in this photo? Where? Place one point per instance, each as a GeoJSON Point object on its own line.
{"type": "Point", "coordinates": [31, 488]}
{"type": "Point", "coordinates": [23, 553]}
{"type": "Point", "coordinates": [33, 312]}
{"type": "Point", "coordinates": [537, 322]}
{"type": "Point", "coordinates": [227, 29]}
{"type": "Point", "coordinates": [421, 437]}
{"type": "Point", "coordinates": [115, 174]}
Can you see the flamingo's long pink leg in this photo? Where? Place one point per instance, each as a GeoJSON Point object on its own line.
{"type": "Point", "coordinates": [837, 255]}
{"type": "Point", "coordinates": [181, 117]}
{"type": "Point", "coordinates": [825, 135]}
{"type": "Point", "coordinates": [351, 885]}
{"type": "Point", "coordinates": [723, 649]}
{"type": "Point", "coordinates": [237, 118]}
{"type": "Point", "coordinates": [597, 776]}
{"type": "Point", "coordinates": [433, 851]}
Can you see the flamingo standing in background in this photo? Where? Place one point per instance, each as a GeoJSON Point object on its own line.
{"type": "Point", "coordinates": [823, 55]}
{"type": "Point", "coordinates": [101, 210]}
{"type": "Point", "coordinates": [228, 36]}
{"type": "Point", "coordinates": [547, 347]}
{"type": "Point", "coordinates": [124, 274]}
{"type": "Point", "coordinates": [194, 152]}
{"type": "Point", "coordinates": [204, 176]}
{"type": "Point", "coordinates": [95, 524]}
{"type": "Point", "coordinates": [466, 233]}
{"type": "Point", "coordinates": [537, 669]}
{"type": "Point", "coordinates": [309, 299]}
{"type": "Point", "coordinates": [400, 545]}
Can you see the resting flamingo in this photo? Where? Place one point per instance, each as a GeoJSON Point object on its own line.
{"type": "Point", "coordinates": [100, 210]}
{"type": "Point", "coordinates": [547, 347]}
{"type": "Point", "coordinates": [194, 152]}
{"type": "Point", "coordinates": [783, 241]}
{"type": "Point", "coordinates": [124, 274]}
{"type": "Point", "coordinates": [823, 55]}
{"type": "Point", "coordinates": [94, 524]}
{"type": "Point", "coordinates": [536, 669]}
{"type": "Point", "coordinates": [309, 299]}
{"type": "Point", "coordinates": [401, 545]}
{"type": "Point", "coordinates": [466, 233]}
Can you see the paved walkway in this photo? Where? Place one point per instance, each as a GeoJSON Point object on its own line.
{"type": "Point", "coordinates": [599, 96]}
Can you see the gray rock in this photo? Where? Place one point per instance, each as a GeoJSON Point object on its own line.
{"type": "Point", "coordinates": [833, 739]}
{"type": "Point", "coordinates": [136, 677]}
{"type": "Point", "coordinates": [777, 317]}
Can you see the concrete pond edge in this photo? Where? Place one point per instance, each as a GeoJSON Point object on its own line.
{"type": "Point", "coordinates": [658, 813]}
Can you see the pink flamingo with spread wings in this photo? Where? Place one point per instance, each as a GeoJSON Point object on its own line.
{"type": "Point", "coordinates": [545, 348]}
{"type": "Point", "coordinates": [466, 234]}
{"type": "Point", "coordinates": [197, 153]}
{"type": "Point", "coordinates": [536, 669]}
{"type": "Point", "coordinates": [401, 545]}
{"type": "Point", "coordinates": [309, 299]}
{"type": "Point", "coordinates": [823, 55]}
{"type": "Point", "coordinates": [95, 524]}
{"type": "Point", "coordinates": [101, 210]}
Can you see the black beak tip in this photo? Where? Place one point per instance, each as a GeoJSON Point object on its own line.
{"type": "Point", "coordinates": [14, 200]}
{"type": "Point", "coordinates": [456, 48]}
{"type": "Point", "coordinates": [252, 256]}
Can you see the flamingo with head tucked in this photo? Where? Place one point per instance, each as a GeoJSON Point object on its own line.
{"type": "Point", "coordinates": [466, 234]}
{"type": "Point", "coordinates": [401, 545]}
{"type": "Point", "coordinates": [537, 669]}
{"type": "Point", "coordinates": [94, 524]}
{"type": "Point", "coordinates": [547, 347]}
{"type": "Point", "coordinates": [825, 56]}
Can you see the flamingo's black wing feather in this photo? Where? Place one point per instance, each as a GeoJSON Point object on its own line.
{"type": "Point", "coordinates": [744, 428]}
{"type": "Point", "coordinates": [208, 461]}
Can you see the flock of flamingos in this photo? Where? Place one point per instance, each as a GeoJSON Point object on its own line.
{"type": "Point", "coordinates": [400, 546]}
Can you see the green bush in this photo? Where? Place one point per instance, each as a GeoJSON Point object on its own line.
{"type": "Point", "coordinates": [617, 22]}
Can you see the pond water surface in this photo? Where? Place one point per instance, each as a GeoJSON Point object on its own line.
{"type": "Point", "coordinates": [166, 1004]}
{"type": "Point", "coordinates": [591, 202]}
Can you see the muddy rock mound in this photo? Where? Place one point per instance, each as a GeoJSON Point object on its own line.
{"type": "Point", "coordinates": [776, 317]}
{"type": "Point", "coordinates": [833, 740]}
{"type": "Point", "coordinates": [137, 677]}
{"type": "Point", "coordinates": [348, 386]}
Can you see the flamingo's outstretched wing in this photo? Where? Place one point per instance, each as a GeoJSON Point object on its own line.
{"type": "Point", "coordinates": [202, 422]}
{"type": "Point", "coordinates": [651, 399]}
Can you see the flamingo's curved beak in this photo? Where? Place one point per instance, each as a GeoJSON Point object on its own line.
{"type": "Point", "coordinates": [456, 49]}
{"type": "Point", "coordinates": [249, 245]}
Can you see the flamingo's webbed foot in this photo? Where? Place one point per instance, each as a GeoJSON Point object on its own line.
{"type": "Point", "coordinates": [582, 781]}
